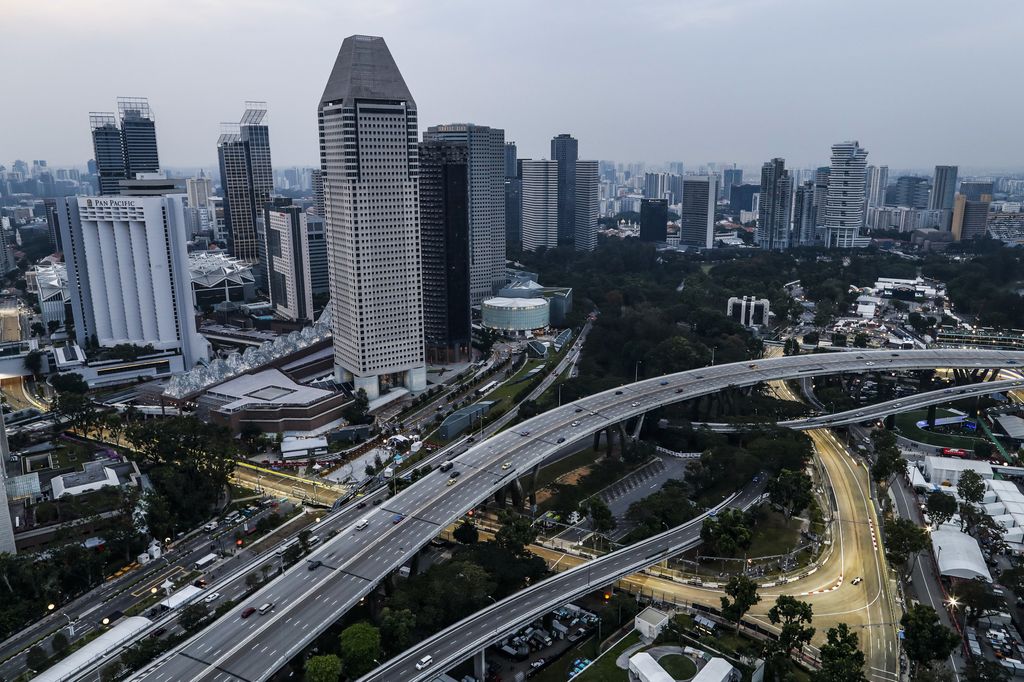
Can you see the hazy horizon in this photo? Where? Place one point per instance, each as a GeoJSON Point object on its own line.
{"type": "Point", "coordinates": [917, 83]}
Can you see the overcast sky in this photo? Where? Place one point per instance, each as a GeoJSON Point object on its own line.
{"type": "Point", "coordinates": [918, 82]}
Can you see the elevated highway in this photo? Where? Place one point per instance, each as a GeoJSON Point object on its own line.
{"type": "Point", "coordinates": [355, 561]}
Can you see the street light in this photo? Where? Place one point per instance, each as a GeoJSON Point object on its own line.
{"type": "Point", "coordinates": [636, 370]}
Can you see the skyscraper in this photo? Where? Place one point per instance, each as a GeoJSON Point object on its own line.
{"type": "Point", "coordinates": [773, 221]}
{"type": "Point", "coordinates": [513, 197]}
{"type": "Point", "coordinates": [943, 188]}
{"type": "Point", "coordinates": [910, 191]}
{"type": "Point", "coordinates": [288, 261]}
{"type": "Point", "coordinates": [486, 149]}
{"type": "Point", "coordinates": [588, 204]}
{"type": "Point", "coordinates": [540, 203]}
{"type": "Point", "coordinates": [655, 185]}
{"type": "Point", "coordinates": [199, 214]}
{"type": "Point", "coordinates": [803, 214]}
{"type": "Point", "coordinates": [697, 212]}
{"type": "Point", "coordinates": [371, 204]}
{"type": "Point", "coordinates": [976, 190]}
{"type": "Point", "coordinates": [565, 150]}
{"type": "Point", "coordinates": [970, 210]}
{"type": "Point", "coordinates": [138, 136]}
{"type": "Point", "coordinates": [878, 180]}
{"type": "Point", "coordinates": [820, 197]}
{"type": "Point", "coordinates": [653, 220]}
{"type": "Point", "coordinates": [846, 195]}
{"type": "Point", "coordinates": [106, 145]}
{"type": "Point", "coordinates": [246, 177]}
{"type": "Point", "coordinates": [128, 274]}
{"type": "Point", "coordinates": [730, 178]}
{"type": "Point", "coordinates": [445, 228]}
{"type": "Point", "coordinates": [317, 181]}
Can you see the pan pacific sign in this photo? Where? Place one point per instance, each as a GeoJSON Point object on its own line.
{"type": "Point", "coordinates": [106, 202]}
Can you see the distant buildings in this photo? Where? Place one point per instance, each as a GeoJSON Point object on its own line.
{"type": "Point", "coordinates": [970, 210]}
{"type": "Point", "coordinates": [218, 278]}
{"type": "Point", "coordinates": [906, 219]}
{"type": "Point", "coordinates": [654, 220]}
{"type": "Point", "coordinates": [749, 311]}
{"type": "Point", "coordinates": [247, 178]}
{"type": "Point", "coordinates": [742, 197]}
{"type": "Point", "coordinates": [845, 199]}
{"type": "Point", "coordinates": [878, 180]}
{"type": "Point", "coordinates": [565, 150]}
{"type": "Point", "coordinates": [486, 167]}
{"type": "Point", "coordinates": [371, 201]}
{"type": "Point", "coordinates": [774, 208]}
{"type": "Point", "coordinates": [803, 214]}
{"type": "Point", "coordinates": [540, 203]}
{"type": "Point", "coordinates": [289, 276]}
{"type": "Point", "coordinates": [128, 274]}
{"type": "Point", "coordinates": [697, 211]}
{"type": "Point", "coordinates": [587, 206]}
{"type": "Point", "coordinates": [731, 177]}
{"type": "Point", "coordinates": [445, 228]}
{"type": "Point", "coordinates": [513, 197]}
{"type": "Point", "coordinates": [51, 289]}
{"type": "Point", "coordinates": [910, 191]}
{"type": "Point", "coordinates": [943, 188]}
{"type": "Point", "coordinates": [200, 211]}
{"type": "Point", "coordinates": [122, 153]}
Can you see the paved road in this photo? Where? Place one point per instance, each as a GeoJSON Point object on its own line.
{"type": "Point", "coordinates": [356, 560]}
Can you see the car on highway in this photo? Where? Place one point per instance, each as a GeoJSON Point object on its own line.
{"type": "Point", "coordinates": [635, 404]}
{"type": "Point", "coordinates": [679, 390]}
{"type": "Point", "coordinates": [210, 598]}
{"type": "Point", "coordinates": [212, 525]}
{"type": "Point", "coordinates": [560, 440]}
{"type": "Point", "coordinates": [266, 607]}
{"type": "Point", "coordinates": [506, 465]}
{"type": "Point", "coordinates": [869, 363]}
{"type": "Point", "coordinates": [424, 662]}
{"type": "Point", "coordinates": [397, 518]}
{"type": "Point", "coordinates": [361, 505]}
{"type": "Point", "coordinates": [378, 501]}
{"type": "Point", "coordinates": [248, 611]}
{"type": "Point", "coordinates": [524, 433]}
{"type": "Point", "coordinates": [857, 581]}
{"type": "Point", "coordinates": [450, 482]}
{"type": "Point", "coordinates": [156, 633]}
{"type": "Point", "coordinates": [363, 523]}
{"type": "Point", "coordinates": [663, 383]}
{"type": "Point", "coordinates": [315, 564]}
{"type": "Point", "coordinates": [618, 392]}
{"type": "Point", "coordinates": [575, 423]}
{"type": "Point", "coordinates": [578, 410]}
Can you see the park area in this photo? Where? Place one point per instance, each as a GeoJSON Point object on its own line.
{"type": "Point", "coordinates": [957, 435]}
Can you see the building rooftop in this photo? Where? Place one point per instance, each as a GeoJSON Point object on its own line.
{"type": "Point", "coordinates": [958, 554]}
{"type": "Point", "coordinates": [211, 269]}
{"type": "Point", "coordinates": [525, 303]}
{"type": "Point", "coordinates": [652, 616]}
{"type": "Point", "coordinates": [648, 668]}
{"type": "Point", "coordinates": [365, 69]}
{"type": "Point", "coordinates": [1014, 426]}
{"type": "Point", "coordinates": [268, 387]}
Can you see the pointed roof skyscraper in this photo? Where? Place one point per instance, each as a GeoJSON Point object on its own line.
{"type": "Point", "coordinates": [365, 69]}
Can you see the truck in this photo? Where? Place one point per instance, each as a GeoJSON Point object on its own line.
{"type": "Point", "coordinates": [205, 561]}
{"type": "Point", "coordinates": [389, 472]}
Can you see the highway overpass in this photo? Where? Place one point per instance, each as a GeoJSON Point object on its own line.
{"type": "Point", "coordinates": [355, 561]}
{"type": "Point", "coordinates": [876, 411]}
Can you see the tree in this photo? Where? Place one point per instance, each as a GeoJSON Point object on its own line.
{"type": "Point", "coordinates": [356, 411]}
{"type": "Point", "coordinates": [360, 647]}
{"type": "Point", "coordinates": [790, 490]}
{"type": "Point", "coordinates": [903, 539]}
{"type": "Point", "coordinates": [323, 668]}
{"type": "Point", "coordinates": [727, 533]}
{"type": "Point", "coordinates": [841, 657]}
{"type": "Point", "coordinates": [1011, 577]}
{"type": "Point", "coordinates": [971, 487]}
{"type": "Point", "coordinates": [601, 518]}
{"type": "Point", "coordinates": [941, 507]}
{"type": "Point", "coordinates": [925, 637]}
{"type": "Point", "coordinates": [933, 672]}
{"type": "Point", "coordinates": [253, 580]}
{"type": "Point", "coordinates": [36, 659]}
{"type": "Point", "coordinates": [466, 533]}
{"type": "Point", "coordinates": [743, 593]}
{"type": "Point", "coordinates": [111, 672]}
{"type": "Point", "coordinates": [396, 629]}
{"type": "Point", "coordinates": [34, 362]}
{"type": "Point", "coordinates": [76, 408]}
{"type": "Point", "coordinates": [70, 382]}
{"type": "Point", "coordinates": [860, 340]}
{"type": "Point", "coordinates": [38, 329]}
{"type": "Point", "coordinates": [59, 642]}
{"type": "Point", "coordinates": [192, 616]}
{"type": "Point", "coordinates": [812, 338]}
{"type": "Point", "coordinates": [976, 597]}
{"type": "Point", "coordinates": [888, 463]}
{"type": "Point", "coordinates": [52, 326]}
{"type": "Point", "coordinates": [983, 670]}
{"type": "Point", "coordinates": [792, 616]}
{"type": "Point", "coordinates": [516, 533]}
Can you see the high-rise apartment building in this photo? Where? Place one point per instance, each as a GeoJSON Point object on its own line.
{"type": "Point", "coordinates": [697, 211]}
{"type": "Point", "coordinates": [445, 229]}
{"type": "Point", "coordinates": [943, 188]}
{"type": "Point", "coordinates": [486, 149]}
{"type": "Point", "coordinates": [108, 152]}
{"type": "Point", "coordinates": [730, 178]}
{"type": "Point", "coordinates": [319, 272]}
{"type": "Point", "coordinates": [289, 276]}
{"type": "Point", "coordinates": [513, 197]}
{"type": "Point", "coordinates": [128, 273]}
{"type": "Point", "coordinates": [247, 179]}
{"type": "Point", "coordinates": [773, 221]}
{"type": "Point", "coordinates": [122, 153]}
{"type": "Point", "coordinates": [977, 190]}
{"type": "Point", "coordinates": [846, 195]}
{"type": "Point", "coordinates": [200, 212]}
{"type": "Point", "coordinates": [653, 220]}
{"type": "Point", "coordinates": [878, 180]}
{"type": "Point", "coordinates": [803, 214]}
{"type": "Point", "coordinates": [52, 224]}
{"type": "Point", "coordinates": [655, 185]}
{"type": "Point", "coordinates": [540, 203]}
{"type": "Point", "coordinates": [588, 204]}
{"type": "Point", "coordinates": [565, 150]}
{"type": "Point", "coordinates": [970, 210]}
{"type": "Point", "coordinates": [910, 191]}
{"type": "Point", "coordinates": [371, 205]}
{"type": "Point", "coordinates": [317, 180]}
{"type": "Point", "coordinates": [742, 197]}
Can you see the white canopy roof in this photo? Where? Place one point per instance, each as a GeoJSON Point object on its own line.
{"type": "Point", "coordinates": [958, 554]}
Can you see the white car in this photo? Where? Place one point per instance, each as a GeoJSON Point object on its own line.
{"type": "Point", "coordinates": [424, 662]}
{"type": "Point", "coordinates": [506, 465]}
{"type": "Point", "coordinates": [210, 598]}
{"type": "Point", "coordinates": [576, 423]}
{"type": "Point", "coordinates": [635, 404]}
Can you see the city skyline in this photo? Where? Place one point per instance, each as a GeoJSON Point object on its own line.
{"type": "Point", "coordinates": [442, 60]}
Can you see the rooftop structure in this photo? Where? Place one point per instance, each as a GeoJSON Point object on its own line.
{"type": "Point", "coordinates": [958, 554]}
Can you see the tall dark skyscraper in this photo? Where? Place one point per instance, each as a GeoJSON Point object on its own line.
{"type": "Point", "coordinates": [774, 208]}
{"type": "Point", "coordinates": [138, 136]}
{"type": "Point", "coordinates": [444, 226]}
{"type": "Point", "coordinates": [910, 191]}
{"type": "Point", "coordinates": [821, 176]}
{"type": "Point", "coordinates": [565, 150]}
{"type": "Point", "coordinates": [106, 145]}
{"type": "Point", "coordinates": [122, 153]}
{"type": "Point", "coordinates": [653, 220]}
{"type": "Point", "coordinates": [246, 177]}
{"type": "Point", "coordinates": [697, 211]}
{"type": "Point", "coordinates": [743, 197]}
{"type": "Point", "coordinates": [588, 205]}
{"type": "Point", "coordinates": [803, 214]}
{"type": "Point", "coordinates": [943, 188]}
{"type": "Point", "coordinates": [513, 197]}
{"type": "Point", "coordinates": [730, 178]}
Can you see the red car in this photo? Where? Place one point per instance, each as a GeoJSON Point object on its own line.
{"type": "Point", "coordinates": [248, 611]}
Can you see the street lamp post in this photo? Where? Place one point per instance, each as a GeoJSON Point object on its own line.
{"type": "Point", "coordinates": [636, 370]}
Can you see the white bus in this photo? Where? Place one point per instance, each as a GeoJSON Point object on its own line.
{"type": "Point", "coordinates": [487, 389]}
{"type": "Point", "coordinates": [205, 561]}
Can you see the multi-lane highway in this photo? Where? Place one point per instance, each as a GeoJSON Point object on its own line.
{"type": "Point", "coordinates": [880, 410]}
{"type": "Point", "coordinates": [306, 602]}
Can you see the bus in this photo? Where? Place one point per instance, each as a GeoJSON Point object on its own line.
{"type": "Point", "coordinates": [205, 561]}
{"type": "Point", "coordinates": [487, 389]}
{"type": "Point", "coordinates": [955, 452]}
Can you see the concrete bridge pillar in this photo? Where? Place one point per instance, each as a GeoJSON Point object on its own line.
{"type": "Point", "coordinates": [531, 483]}
{"type": "Point", "coordinates": [931, 416]}
{"type": "Point", "coordinates": [480, 665]}
{"type": "Point", "coordinates": [499, 497]}
{"type": "Point", "coordinates": [515, 489]}
{"type": "Point", "coordinates": [597, 441]}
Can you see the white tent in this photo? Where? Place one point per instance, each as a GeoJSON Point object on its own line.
{"type": "Point", "coordinates": [958, 554]}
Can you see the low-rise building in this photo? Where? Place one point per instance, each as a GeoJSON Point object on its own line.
{"type": "Point", "coordinates": [93, 477]}
{"type": "Point", "coordinates": [650, 622]}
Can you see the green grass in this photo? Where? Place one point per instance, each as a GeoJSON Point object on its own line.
{"type": "Point", "coordinates": [563, 466]}
{"type": "Point", "coordinates": [774, 535]}
{"type": "Point", "coordinates": [508, 390]}
{"type": "Point", "coordinates": [678, 666]}
{"type": "Point", "coordinates": [604, 668]}
{"type": "Point", "coordinates": [907, 425]}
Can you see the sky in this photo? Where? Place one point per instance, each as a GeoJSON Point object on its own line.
{"type": "Point", "coordinates": [917, 82]}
